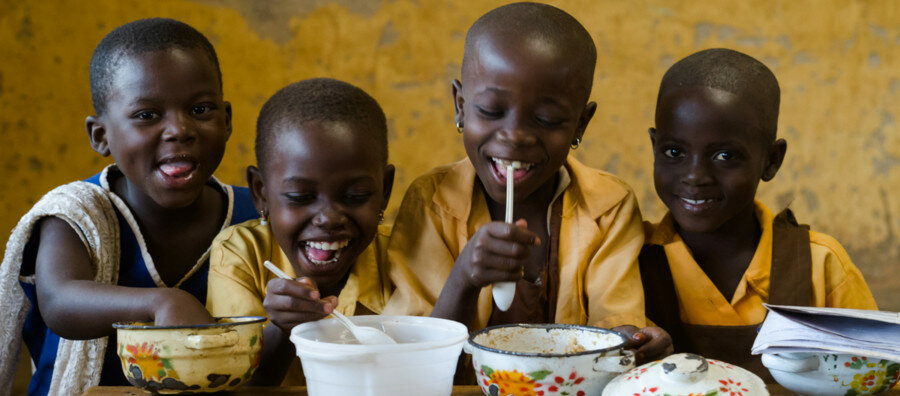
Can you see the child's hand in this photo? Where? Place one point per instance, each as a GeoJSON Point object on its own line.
{"type": "Point", "coordinates": [177, 307]}
{"type": "Point", "coordinates": [292, 302]}
{"type": "Point", "coordinates": [496, 253]}
{"type": "Point", "coordinates": [650, 343]}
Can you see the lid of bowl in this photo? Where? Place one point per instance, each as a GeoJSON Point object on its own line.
{"type": "Point", "coordinates": [686, 373]}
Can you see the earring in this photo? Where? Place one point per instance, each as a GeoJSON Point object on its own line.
{"type": "Point", "coordinates": [380, 216]}
{"type": "Point", "coordinates": [263, 219]}
{"type": "Point", "coordinates": [576, 143]}
{"type": "Point", "coordinates": [459, 127]}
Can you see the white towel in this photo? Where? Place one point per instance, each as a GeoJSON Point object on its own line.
{"type": "Point", "coordinates": [87, 209]}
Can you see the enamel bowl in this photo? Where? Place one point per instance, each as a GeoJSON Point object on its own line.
{"type": "Point", "coordinates": [188, 359]}
{"type": "Point", "coordinates": [829, 374]}
{"type": "Point", "coordinates": [687, 374]}
{"type": "Point", "coordinates": [547, 359]}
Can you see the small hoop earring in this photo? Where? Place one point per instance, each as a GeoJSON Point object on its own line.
{"type": "Point", "coordinates": [380, 217]}
{"type": "Point", "coordinates": [459, 127]}
{"type": "Point", "coordinates": [576, 143]}
{"type": "Point", "coordinates": [263, 219]}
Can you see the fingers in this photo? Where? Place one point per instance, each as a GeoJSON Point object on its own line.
{"type": "Point", "coordinates": [291, 302]}
{"type": "Point", "coordinates": [516, 233]}
{"type": "Point", "coordinates": [658, 345]}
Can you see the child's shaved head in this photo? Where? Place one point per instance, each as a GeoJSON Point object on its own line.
{"type": "Point", "coordinates": [135, 38]}
{"type": "Point", "coordinates": [539, 25]}
{"type": "Point", "coordinates": [733, 72]}
{"type": "Point", "coordinates": [316, 100]}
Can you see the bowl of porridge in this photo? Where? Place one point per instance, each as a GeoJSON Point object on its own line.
{"type": "Point", "coordinates": [547, 359]}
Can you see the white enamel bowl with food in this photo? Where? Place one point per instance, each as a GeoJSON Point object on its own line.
{"type": "Point", "coordinates": [547, 359]}
{"type": "Point", "coordinates": [422, 362]}
{"type": "Point", "coordinates": [188, 359]}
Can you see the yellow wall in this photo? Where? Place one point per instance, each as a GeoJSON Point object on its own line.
{"type": "Point", "coordinates": [838, 63]}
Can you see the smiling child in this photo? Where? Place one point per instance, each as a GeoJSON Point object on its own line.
{"type": "Point", "coordinates": [523, 97]}
{"type": "Point", "coordinates": [322, 183]}
{"type": "Point", "coordinates": [130, 243]}
{"type": "Point", "coordinates": [718, 254]}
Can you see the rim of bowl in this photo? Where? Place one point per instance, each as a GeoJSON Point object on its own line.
{"type": "Point", "coordinates": [249, 319]}
{"type": "Point", "coordinates": [314, 346]}
{"type": "Point", "coordinates": [549, 326]}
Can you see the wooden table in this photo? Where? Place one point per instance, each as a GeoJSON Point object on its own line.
{"type": "Point", "coordinates": [775, 390]}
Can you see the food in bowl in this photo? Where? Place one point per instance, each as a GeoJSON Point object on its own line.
{"type": "Point", "coordinates": [530, 359]}
{"type": "Point", "coordinates": [188, 359]}
{"type": "Point", "coordinates": [687, 374]}
{"type": "Point", "coordinates": [827, 374]}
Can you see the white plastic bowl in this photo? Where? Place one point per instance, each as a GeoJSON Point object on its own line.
{"type": "Point", "coordinates": [422, 362]}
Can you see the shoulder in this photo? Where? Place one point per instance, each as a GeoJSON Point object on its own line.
{"type": "Point", "coordinates": [599, 191]}
{"type": "Point", "coordinates": [243, 238]}
{"type": "Point", "coordinates": [825, 246]}
{"type": "Point", "coordinates": [430, 182]}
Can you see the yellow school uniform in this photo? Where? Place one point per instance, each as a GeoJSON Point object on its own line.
{"type": "Point", "coordinates": [600, 238]}
{"type": "Point", "coordinates": [836, 282]}
{"type": "Point", "coordinates": [237, 277]}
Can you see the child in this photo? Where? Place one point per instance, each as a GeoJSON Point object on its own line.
{"type": "Point", "coordinates": [322, 185]}
{"type": "Point", "coordinates": [718, 254]}
{"type": "Point", "coordinates": [130, 243]}
{"type": "Point", "coordinates": [526, 78]}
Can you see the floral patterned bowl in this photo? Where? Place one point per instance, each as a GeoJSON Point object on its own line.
{"type": "Point", "coordinates": [188, 359]}
{"type": "Point", "coordinates": [828, 374]}
{"type": "Point", "coordinates": [547, 359]}
{"type": "Point", "coordinates": [686, 374]}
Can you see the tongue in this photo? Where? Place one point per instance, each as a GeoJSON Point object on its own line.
{"type": "Point", "coordinates": [318, 254]}
{"type": "Point", "coordinates": [177, 169]}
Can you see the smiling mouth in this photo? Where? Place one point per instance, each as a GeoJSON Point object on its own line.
{"type": "Point", "coordinates": [322, 253]}
{"type": "Point", "coordinates": [180, 167]}
{"type": "Point", "coordinates": [520, 168]}
{"type": "Point", "coordinates": [699, 201]}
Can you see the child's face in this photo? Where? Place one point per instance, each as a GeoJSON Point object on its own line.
{"type": "Point", "coordinates": [709, 156]}
{"type": "Point", "coordinates": [520, 102]}
{"type": "Point", "coordinates": [166, 124]}
{"type": "Point", "coordinates": [323, 187]}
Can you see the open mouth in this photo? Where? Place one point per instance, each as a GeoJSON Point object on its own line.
{"type": "Point", "coordinates": [699, 204]}
{"type": "Point", "coordinates": [178, 168]}
{"type": "Point", "coordinates": [322, 253]}
{"type": "Point", "coordinates": [520, 168]}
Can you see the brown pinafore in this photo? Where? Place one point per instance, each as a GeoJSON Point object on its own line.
{"type": "Point", "coordinates": [789, 284]}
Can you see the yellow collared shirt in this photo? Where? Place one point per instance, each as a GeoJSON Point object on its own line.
{"type": "Point", "coordinates": [836, 282]}
{"type": "Point", "coordinates": [600, 238]}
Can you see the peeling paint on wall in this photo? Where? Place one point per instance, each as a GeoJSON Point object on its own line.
{"type": "Point", "coordinates": [838, 66]}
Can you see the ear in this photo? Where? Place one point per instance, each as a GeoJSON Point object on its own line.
{"type": "Point", "coordinates": [456, 90]}
{"type": "Point", "coordinates": [387, 184]}
{"type": "Point", "coordinates": [97, 134]}
{"type": "Point", "coordinates": [774, 158]}
{"type": "Point", "coordinates": [652, 132]}
{"type": "Point", "coordinates": [227, 120]}
{"type": "Point", "coordinates": [584, 119]}
{"type": "Point", "coordinates": [257, 188]}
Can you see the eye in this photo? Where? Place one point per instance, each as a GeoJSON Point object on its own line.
{"type": "Point", "coordinates": [489, 113]}
{"type": "Point", "coordinates": [673, 152]}
{"type": "Point", "coordinates": [723, 156]}
{"type": "Point", "coordinates": [146, 115]}
{"type": "Point", "coordinates": [550, 122]}
{"type": "Point", "coordinates": [357, 198]}
{"type": "Point", "coordinates": [300, 198]}
{"type": "Point", "coordinates": [202, 109]}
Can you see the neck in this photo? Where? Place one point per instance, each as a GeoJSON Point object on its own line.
{"type": "Point", "coordinates": [731, 246]}
{"type": "Point", "coordinates": [153, 216]}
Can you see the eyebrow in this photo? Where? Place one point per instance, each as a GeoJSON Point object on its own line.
{"type": "Point", "coordinates": [303, 180]}
{"type": "Point", "coordinates": [155, 100]}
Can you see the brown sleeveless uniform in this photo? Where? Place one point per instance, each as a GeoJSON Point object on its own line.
{"type": "Point", "coordinates": [789, 284]}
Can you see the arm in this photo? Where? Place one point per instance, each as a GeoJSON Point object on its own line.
{"type": "Point", "coordinates": [76, 307]}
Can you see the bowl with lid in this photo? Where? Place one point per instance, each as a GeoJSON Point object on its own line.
{"type": "Point", "coordinates": [547, 359]}
{"type": "Point", "coordinates": [187, 359]}
{"type": "Point", "coordinates": [687, 374]}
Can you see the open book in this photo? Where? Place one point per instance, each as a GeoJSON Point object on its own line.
{"type": "Point", "coordinates": [829, 330]}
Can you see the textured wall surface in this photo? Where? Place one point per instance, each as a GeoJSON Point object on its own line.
{"type": "Point", "coordinates": [838, 63]}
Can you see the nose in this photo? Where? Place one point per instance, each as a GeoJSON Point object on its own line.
{"type": "Point", "coordinates": [697, 172]}
{"type": "Point", "coordinates": [517, 132]}
{"type": "Point", "coordinates": [178, 127]}
{"type": "Point", "coordinates": [329, 216]}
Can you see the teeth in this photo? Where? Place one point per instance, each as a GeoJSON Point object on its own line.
{"type": "Point", "coordinates": [515, 164]}
{"type": "Point", "coordinates": [328, 245]}
{"type": "Point", "coordinates": [696, 201]}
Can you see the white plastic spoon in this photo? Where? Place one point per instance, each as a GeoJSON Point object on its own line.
{"type": "Point", "coordinates": [364, 334]}
{"type": "Point", "coordinates": [504, 292]}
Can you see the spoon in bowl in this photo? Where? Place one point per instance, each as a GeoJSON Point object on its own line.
{"type": "Point", "coordinates": [364, 334]}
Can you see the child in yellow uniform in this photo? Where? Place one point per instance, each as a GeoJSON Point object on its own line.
{"type": "Point", "coordinates": [721, 252]}
{"type": "Point", "coordinates": [527, 72]}
{"type": "Point", "coordinates": [321, 185]}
